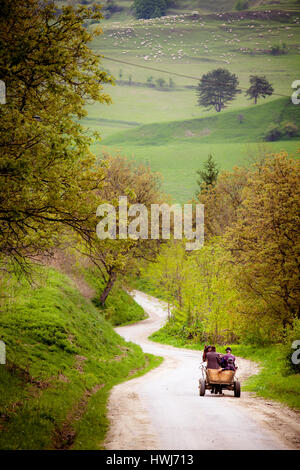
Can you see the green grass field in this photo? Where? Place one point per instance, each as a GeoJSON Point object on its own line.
{"type": "Point", "coordinates": [63, 358]}
{"type": "Point", "coordinates": [164, 127]}
{"type": "Point", "coordinates": [177, 149]}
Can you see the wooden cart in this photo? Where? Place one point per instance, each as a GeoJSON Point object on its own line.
{"type": "Point", "coordinates": [219, 380]}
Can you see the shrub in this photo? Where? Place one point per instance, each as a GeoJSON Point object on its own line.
{"type": "Point", "coordinates": [273, 133]}
{"type": "Point", "coordinates": [150, 8]}
{"type": "Point", "coordinates": [161, 83]}
{"type": "Point", "coordinates": [241, 5]}
{"type": "Point", "coordinates": [290, 354]}
{"type": "Point", "coordinates": [278, 49]}
{"type": "Point", "coordinates": [290, 129]}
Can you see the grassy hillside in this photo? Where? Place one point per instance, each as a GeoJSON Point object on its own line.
{"type": "Point", "coordinates": [182, 134]}
{"type": "Point", "coordinates": [124, 10]}
{"type": "Point", "coordinates": [62, 360]}
{"type": "Point", "coordinates": [218, 128]}
{"type": "Point", "coordinates": [177, 149]}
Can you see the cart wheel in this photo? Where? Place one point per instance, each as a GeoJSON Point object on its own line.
{"type": "Point", "coordinates": [201, 388]}
{"type": "Point", "coordinates": [237, 389]}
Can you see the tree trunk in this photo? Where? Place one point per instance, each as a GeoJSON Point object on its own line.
{"type": "Point", "coordinates": [109, 285]}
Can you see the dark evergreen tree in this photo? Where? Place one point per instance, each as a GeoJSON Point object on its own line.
{"type": "Point", "coordinates": [150, 8]}
{"type": "Point", "coordinates": [217, 88]}
{"type": "Point", "coordinates": [208, 175]}
{"type": "Point", "coordinates": [260, 87]}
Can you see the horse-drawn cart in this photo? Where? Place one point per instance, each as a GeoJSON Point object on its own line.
{"type": "Point", "coordinates": [217, 380]}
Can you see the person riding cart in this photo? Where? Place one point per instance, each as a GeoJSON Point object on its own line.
{"type": "Point", "coordinates": [219, 372]}
{"type": "Point", "coordinates": [228, 360]}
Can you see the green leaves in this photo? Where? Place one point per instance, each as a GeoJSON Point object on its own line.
{"type": "Point", "coordinates": [47, 172]}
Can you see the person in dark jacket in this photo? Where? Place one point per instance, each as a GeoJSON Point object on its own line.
{"type": "Point", "coordinates": [213, 360]}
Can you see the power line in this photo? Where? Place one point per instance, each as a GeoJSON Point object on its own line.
{"type": "Point", "coordinates": [151, 68]}
{"type": "Point", "coordinates": [169, 73]}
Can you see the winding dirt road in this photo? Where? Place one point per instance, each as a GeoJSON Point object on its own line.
{"type": "Point", "coordinates": [162, 410]}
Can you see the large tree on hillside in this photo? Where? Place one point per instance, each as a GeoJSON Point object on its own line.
{"type": "Point", "coordinates": [217, 88]}
{"type": "Point", "coordinates": [259, 87]}
{"type": "Point", "coordinates": [46, 168]}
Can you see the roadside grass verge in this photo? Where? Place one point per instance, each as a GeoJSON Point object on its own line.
{"type": "Point", "coordinates": [63, 358]}
{"type": "Point", "coordinates": [120, 309]}
{"type": "Point", "coordinates": [271, 382]}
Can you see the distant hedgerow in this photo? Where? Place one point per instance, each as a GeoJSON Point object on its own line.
{"type": "Point", "coordinates": [150, 8]}
{"type": "Point", "coordinates": [241, 5]}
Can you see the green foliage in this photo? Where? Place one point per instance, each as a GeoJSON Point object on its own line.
{"type": "Point", "coordinates": [47, 171]}
{"type": "Point", "coordinates": [114, 260]}
{"type": "Point", "coordinates": [120, 308]}
{"type": "Point", "coordinates": [260, 87]}
{"type": "Point", "coordinates": [208, 176]}
{"type": "Point", "coordinates": [278, 49]}
{"type": "Point", "coordinates": [277, 131]}
{"type": "Point", "coordinates": [264, 243]}
{"type": "Point", "coordinates": [273, 132]}
{"type": "Point", "coordinates": [150, 8]}
{"type": "Point", "coordinates": [271, 382]}
{"type": "Point", "coordinates": [292, 334]}
{"type": "Point", "coordinates": [241, 5]}
{"type": "Point", "coordinates": [178, 335]}
{"type": "Point", "coordinates": [290, 129]}
{"type": "Point", "coordinates": [161, 82]}
{"type": "Point", "coordinates": [198, 289]}
{"type": "Point", "coordinates": [217, 88]}
{"type": "Point", "coordinates": [244, 284]}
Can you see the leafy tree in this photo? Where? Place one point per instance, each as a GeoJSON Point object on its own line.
{"type": "Point", "coordinates": [150, 8]}
{"type": "Point", "coordinates": [217, 88]}
{"type": "Point", "coordinates": [117, 258]}
{"type": "Point", "coordinates": [222, 201]}
{"type": "Point", "coordinates": [265, 244]}
{"type": "Point", "coordinates": [46, 168]}
{"type": "Point", "coordinates": [260, 87]}
{"type": "Point", "coordinates": [208, 176]}
{"type": "Point", "coordinates": [198, 289]}
{"type": "Point", "coordinates": [161, 82]}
